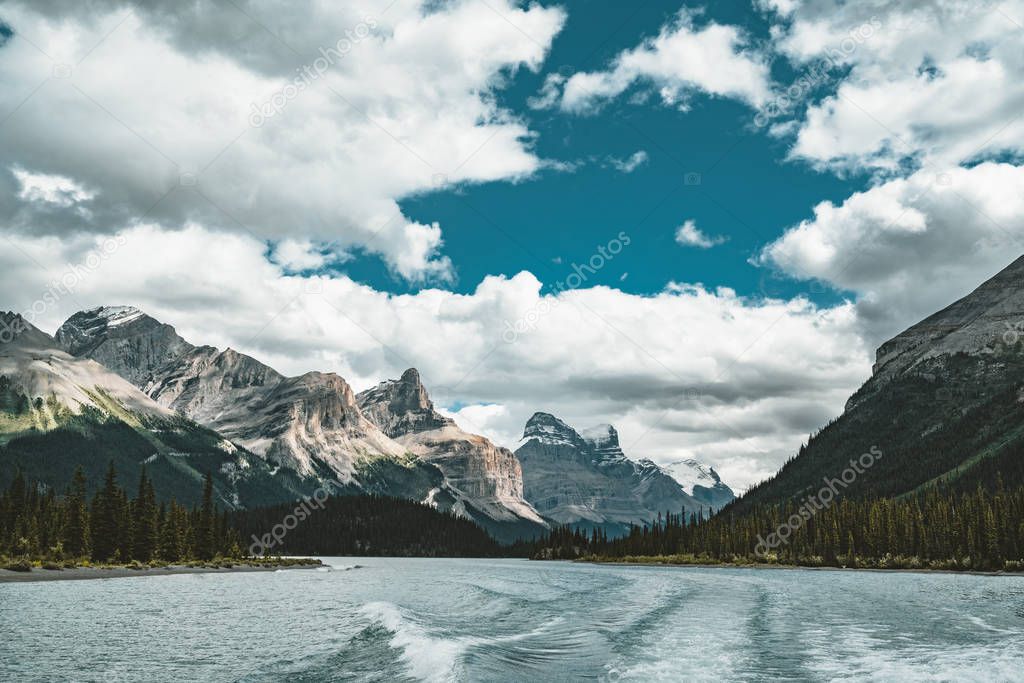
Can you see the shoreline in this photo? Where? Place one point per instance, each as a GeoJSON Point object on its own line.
{"type": "Point", "coordinates": [37, 574]}
{"type": "Point", "coordinates": [682, 565]}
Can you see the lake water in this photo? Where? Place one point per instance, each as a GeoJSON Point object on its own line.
{"type": "Point", "coordinates": [511, 620]}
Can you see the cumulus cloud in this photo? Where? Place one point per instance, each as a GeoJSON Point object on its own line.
{"type": "Point", "coordinates": [924, 98]}
{"type": "Point", "coordinates": [689, 235]}
{"type": "Point", "coordinates": [686, 372]}
{"type": "Point", "coordinates": [683, 59]}
{"type": "Point", "coordinates": [283, 120]}
{"type": "Point", "coordinates": [910, 246]}
{"type": "Point", "coordinates": [934, 83]}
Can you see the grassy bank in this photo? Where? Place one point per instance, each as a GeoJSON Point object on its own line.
{"type": "Point", "coordinates": [887, 562]}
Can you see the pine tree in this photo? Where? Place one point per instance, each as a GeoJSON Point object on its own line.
{"type": "Point", "coordinates": [76, 530]}
{"type": "Point", "coordinates": [171, 540]}
{"type": "Point", "coordinates": [144, 531]}
{"type": "Point", "coordinates": [206, 530]}
{"type": "Point", "coordinates": [106, 518]}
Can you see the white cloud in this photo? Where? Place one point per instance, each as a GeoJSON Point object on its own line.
{"type": "Point", "coordinates": [935, 83]}
{"type": "Point", "coordinates": [689, 235]}
{"type": "Point", "coordinates": [549, 93]}
{"type": "Point", "coordinates": [925, 92]}
{"type": "Point", "coordinates": [156, 119]}
{"type": "Point", "coordinates": [50, 189]}
{"type": "Point", "coordinates": [630, 164]}
{"type": "Point", "coordinates": [910, 246]}
{"type": "Point", "coordinates": [685, 372]}
{"type": "Point", "coordinates": [299, 255]}
{"type": "Point", "coordinates": [715, 59]}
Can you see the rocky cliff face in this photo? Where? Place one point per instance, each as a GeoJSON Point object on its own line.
{"type": "Point", "coordinates": [400, 407]}
{"type": "Point", "coordinates": [584, 478]}
{"type": "Point", "coordinates": [986, 322]}
{"type": "Point", "coordinates": [482, 475]}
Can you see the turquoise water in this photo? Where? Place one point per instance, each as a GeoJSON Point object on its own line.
{"type": "Point", "coordinates": [510, 620]}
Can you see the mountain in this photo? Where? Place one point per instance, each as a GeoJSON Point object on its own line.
{"type": "Point", "coordinates": [584, 479]}
{"type": "Point", "coordinates": [484, 477]}
{"type": "Point", "coordinates": [944, 406]}
{"type": "Point", "coordinates": [702, 482]}
{"type": "Point", "coordinates": [58, 411]}
{"type": "Point", "coordinates": [393, 444]}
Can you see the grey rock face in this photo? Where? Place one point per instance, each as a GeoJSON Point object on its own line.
{"type": "Point", "coordinates": [585, 478]}
{"type": "Point", "coordinates": [482, 475]}
{"type": "Point", "coordinates": [313, 424]}
{"type": "Point", "coordinates": [122, 338]}
{"type": "Point", "coordinates": [43, 389]}
{"type": "Point", "coordinates": [702, 482]}
{"type": "Point", "coordinates": [985, 323]}
{"type": "Point", "coordinates": [402, 406]}
{"type": "Point", "coordinates": [304, 423]}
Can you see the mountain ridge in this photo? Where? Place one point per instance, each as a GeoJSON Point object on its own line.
{"type": "Point", "coordinates": [944, 404]}
{"type": "Point", "coordinates": [314, 423]}
{"type": "Point", "coordinates": [599, 485]}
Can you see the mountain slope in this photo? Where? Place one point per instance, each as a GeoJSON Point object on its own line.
{"type": "Point", "coordinates": [701, 482]}
{"type": "Point", "coordinates": [584, 478]}
{"type": "Point", "coordinates": [58, 412]}
{"type": "Point", "coordinates": [309, 423]}
{"type": "Point", "coordinates": [484, 478]}
{"type": "Point", "coordinates": [312, 423]}
{"type": "Point", "coordinates": [944, 405]}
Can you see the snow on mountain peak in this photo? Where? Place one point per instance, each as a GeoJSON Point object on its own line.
{"type": "Point", "coordinates": [117, 315]}
{"type": "Point", "coordinates": [690, 473]}
{"type": "Point", "coordinates": [601, 435]}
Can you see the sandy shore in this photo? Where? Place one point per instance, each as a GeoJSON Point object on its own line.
{"type": "Point", "coordinates": [86, 573]}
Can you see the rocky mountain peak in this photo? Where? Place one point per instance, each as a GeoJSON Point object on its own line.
{"type": "Point", "coordinates": [411, 376]}
{"type": "Point", "coordinates": [124, 339]}
{"type": "Point", "coordinates": [549, 430]}
{"type": "Point", "coordinates": [603, 440]}
{"type": "Point", "coordinates": [15, 331]}
{"type": "Point", "coordinates": [401, 406]}
{"type": "Point", "coordinates": [601, 435]}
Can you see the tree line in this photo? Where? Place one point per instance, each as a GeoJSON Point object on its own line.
{"type": "Point", "coordinates": [979, 530]}
{"type": "Point", "coordinates": [112, 527]}
{"type": "Point", "coordinates": [366, 525]}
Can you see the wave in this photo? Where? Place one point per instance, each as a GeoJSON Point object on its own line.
{"type": "Point", "coordinates": [428, 657]}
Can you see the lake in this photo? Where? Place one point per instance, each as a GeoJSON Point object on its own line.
{"type": "Point", "coordinates": [384, 619]}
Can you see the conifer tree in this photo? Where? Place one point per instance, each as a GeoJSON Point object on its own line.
{"type": "Point", "coordinates": [76, 529]}
{"type": "Point", "coordinates": [206, 529]}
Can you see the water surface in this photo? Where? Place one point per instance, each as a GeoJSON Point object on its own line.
{"type": "Point", "coordinates": [382, 619]}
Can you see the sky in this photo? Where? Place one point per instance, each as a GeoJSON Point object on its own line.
{"type": "Point", "coordinates": [693, 221]}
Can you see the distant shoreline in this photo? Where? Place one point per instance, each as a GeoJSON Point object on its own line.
{"type": "Point", "coordinates": [90, 573]}
{"type": "Point", "coordinates": [725, 565]}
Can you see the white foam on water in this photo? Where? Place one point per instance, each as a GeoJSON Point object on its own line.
{"type": "Point", "coordinates": [428, 658]}
{"type": "Point", "coordinates": [858, 655]}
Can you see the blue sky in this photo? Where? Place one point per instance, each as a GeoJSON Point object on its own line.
{"type": "Point", "coordinates": [413, 198]}
{"type": "Point", "coordinates": [748, 192]}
